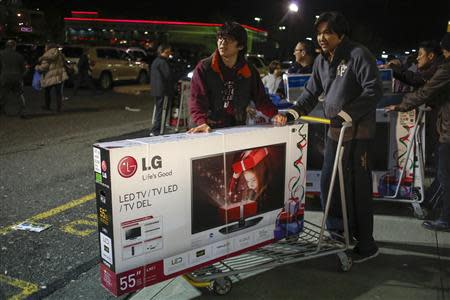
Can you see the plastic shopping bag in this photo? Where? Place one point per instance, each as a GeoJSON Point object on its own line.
{"type": "Point", "coordinates": [36, 83]}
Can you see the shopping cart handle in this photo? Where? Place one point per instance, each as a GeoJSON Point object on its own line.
{"type": "Point", "coordinates": [315, 119]}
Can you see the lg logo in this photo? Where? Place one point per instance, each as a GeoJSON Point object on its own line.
{"type": "Point", "coordinates": [127, 166]}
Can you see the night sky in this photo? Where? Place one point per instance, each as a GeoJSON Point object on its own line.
{"type": "Point", "coordinates": [379, 23]}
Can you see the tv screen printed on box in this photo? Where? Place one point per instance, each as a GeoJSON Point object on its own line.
{"type": "Point", "coordinates": [236, 187]}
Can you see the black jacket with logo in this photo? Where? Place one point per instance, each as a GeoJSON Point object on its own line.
{"type": "Point", "coordinates": [350, 87]}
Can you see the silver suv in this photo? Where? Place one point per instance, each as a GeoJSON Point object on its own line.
{"type": "Point", "coordinates": [109, 64]}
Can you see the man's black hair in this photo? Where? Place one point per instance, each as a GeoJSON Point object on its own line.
{"type": "Point", "coordinates": [237, 32]}
{"type": "Point", "coordinates": [431, 47]}
{"type": "Point", "coordinates": [163, 47]}
{"type": "Point", "coordinates": [11, 44]}
{"type": "Point", "coordinates": [337, 23]}
{"type": "Point", "coordinates": [309, 47]}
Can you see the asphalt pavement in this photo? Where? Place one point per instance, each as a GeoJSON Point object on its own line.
{"type": "Point", "coordinates": [47, 177]}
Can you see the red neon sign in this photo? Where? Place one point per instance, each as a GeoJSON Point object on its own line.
{"type": "Point", "coordinates": [158, 22]}
{"type": "Point", "coordinates": [76, 12]}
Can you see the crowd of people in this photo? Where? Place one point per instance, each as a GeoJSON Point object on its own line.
{"type": "Point", "coordinates": [51, 71]}
{"type": "Point", "coordinates": [344, 77]}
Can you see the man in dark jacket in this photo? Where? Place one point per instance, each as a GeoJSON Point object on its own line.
{"type": "Point", "coordinates": [345, 77]}
{"type": "Point", "coordinates": [436, 92]}
{"type": "Point", "coordinates": [224, 84]}
{"type": "Point", "coordinates": [428, 60]}
{"type": "Point", "coordinates": [84, 74]}
{"type": "Point", "coordinates": [304, 53]}
{"type": "Point", "coordinates": [161, 86]}
{"type": "Point", "coordinates": [12, 69]}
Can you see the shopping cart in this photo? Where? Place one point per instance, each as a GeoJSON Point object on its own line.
{"type": "Point", "coordinates": [313, 242]}
{"type": "Point", "coordinates": [404, 190]}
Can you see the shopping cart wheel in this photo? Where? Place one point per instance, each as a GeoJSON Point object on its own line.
{"type": "Point", "coordinates": [345, 261]}
{"type": "Point", "coordinates": [222, 286]}
{"type": "Point", "coordinates": [416, 195]}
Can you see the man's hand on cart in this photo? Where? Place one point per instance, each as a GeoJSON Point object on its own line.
{"type": "Point", "coordinates": [279, 120]}
{"type": "Point", "coordinates": [201, 128]}
{"type": "Point", "coordinates": [391, 108]}
{"type": "Point", "coordinates": [337, 122]}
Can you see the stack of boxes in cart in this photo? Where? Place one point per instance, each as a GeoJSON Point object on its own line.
{"type": "Point", "coordinates": [168, 205]}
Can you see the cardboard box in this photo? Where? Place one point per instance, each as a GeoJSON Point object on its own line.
{"type": "Point", "coordinates": [168, 205]}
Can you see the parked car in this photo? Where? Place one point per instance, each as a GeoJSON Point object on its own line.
{"type": "Point", "coordinates": [109, 64]}
{"type": "Point", "coordinates": [137, 53]}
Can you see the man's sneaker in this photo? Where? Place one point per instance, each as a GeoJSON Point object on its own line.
{"type": "Point", "coordinates": [359, 257]}
{"type": "Point", "coordinates": [438, 225]}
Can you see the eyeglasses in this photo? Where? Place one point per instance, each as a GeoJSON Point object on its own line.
{"type": "Point", "coordinates": [225, 39]}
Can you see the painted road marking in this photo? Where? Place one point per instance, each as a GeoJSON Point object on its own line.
{"type": "Point", "coordinates": [51, 212]}
{"type": "Point", "coordinates": [27, 288]}
{"type": "Point", "coordinates": [71, 228]}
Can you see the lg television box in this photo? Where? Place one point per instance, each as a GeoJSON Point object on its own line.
{"type": "Point", "coordinates": [168, 205]}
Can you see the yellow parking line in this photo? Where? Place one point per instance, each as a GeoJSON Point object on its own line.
{"type": "Point", "coordinates": [27, 288]}
{"type": "Point", "coordinates": [52, 212]}
{"type": "Point", "coordinates": [71, 228]}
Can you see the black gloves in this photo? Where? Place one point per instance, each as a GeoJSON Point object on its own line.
{"type": "Point", "coordinates": [337, 122]}
{"type": "Point", "coordinates": [290, 118]}
{"type": "Point", "coordinates": [292, 115]}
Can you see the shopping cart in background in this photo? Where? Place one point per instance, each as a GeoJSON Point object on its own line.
{"type": "Point", "coordinates": [404, 181]}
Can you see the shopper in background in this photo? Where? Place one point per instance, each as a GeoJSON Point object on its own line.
{"type": "Point", "coordinates": [436, 92]}
{"type": "Point", "coordinates": [346, 78]}
{"type": "Point", "coordinates": [429, 57]}
{"type": "Point", "coordinates": [428, 60]}
{"type": "Point", "coordinates": [304, 58]}
{"type": "Point", "coordinates": [52, 67]}
{"type": "Point", "coordinates": [12, 69]}
{"type": "Point", "coordinates": [84, 74]}
{"type": "Point", "coordinates": [272, 80]}
{"type": "Point", "coordinates": [305, 54]}
{"type": "Point", "coordinates": [161, 85]}
{"type": "Point", "coordinates": [223, 85]}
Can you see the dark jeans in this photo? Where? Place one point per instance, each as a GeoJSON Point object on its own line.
{"type": "Point", "coordinates": [156, 129]}
{"type": "Point", "coordinates": [443, 176]}
{"type": "Point", "coordinates": [14, 89]}
{"type": "Point", "coordinates": [83, 79]}
{"type": "Point", "coordinates": [356, 164]}
{"type": "Point", "coordinates": [58, 94]}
